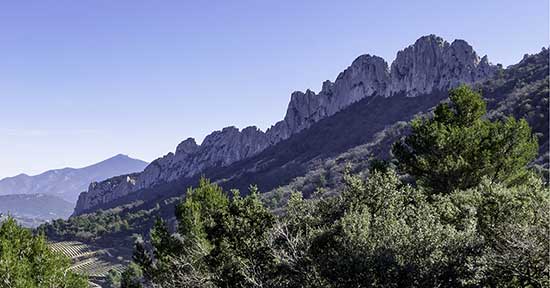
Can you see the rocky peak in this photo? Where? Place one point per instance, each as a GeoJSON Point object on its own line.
{"type": "Point", "coordinates": [188, 146]}
{"type": "Point", "coordinates": [429, 64]}
{"type": "Point", "coordinates": [327, 85]}
{"type": "Point", "coordinates": [366, 76]}
{"type": "Point", "coordinates": [230, 144]}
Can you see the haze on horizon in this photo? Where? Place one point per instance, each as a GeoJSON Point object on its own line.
{"type": "Point", "coordinates": [83, 81]}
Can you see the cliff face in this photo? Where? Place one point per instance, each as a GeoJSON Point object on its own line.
{"type": "Point", "coordinates": [432, 63]}
{"type": "Point", "coordinates": [107, 190]}
{"type": "Point", "coordinates": [429, 64]}
{"type": "Point", "coordinates": [219, 148]}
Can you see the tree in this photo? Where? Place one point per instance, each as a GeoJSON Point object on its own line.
{"type": "Point", "coordinates": [515, 222]}
{"type": "Point", "coordinates": [240, 256]}
{"type": "Point", "coordinates": [457, 147]}
{"type": "Point", "coordinates": [389, 235]}
{"type": "Point", "coordinates": [143, 259]}
{"type": "Point", "coordinates": [220, 242]}
{"type": "Point", "coordinates": [197, 215]}
{"type": "Point", "coordinates": [477, 218]}
{"type": "Point", "coordinates": [131, 277]}
{"type": "Point", "coordinates": [291, 239]}
{"type": "Point", "coordinates": [114, 279]}
{"type": "Point", "coordinates": [26, 261]}
{"type": "Point", "coordinates": [379, 232]}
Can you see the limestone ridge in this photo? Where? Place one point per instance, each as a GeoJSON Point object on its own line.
{"type": "Point", "coordinates": [432, 63]}
{"type": "Point", "coordinates": [429, 64]}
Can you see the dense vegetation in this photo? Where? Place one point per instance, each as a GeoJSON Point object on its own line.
{"type": "Point", "coordinates": [456, 148]}
{"type": "Point", "coordinates": [27, 262]}
{"type": "Point", "coordinates": [88, 227]}
{"type": "Point", "coordinates": [526, 85]}
{"type": "Point", "coordinates": [461, 209]}
{"type": "Point", "coordinates": [310, 162]}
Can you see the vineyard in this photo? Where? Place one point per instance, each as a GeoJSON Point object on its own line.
{"type": "Point", "coordinates": [88, 260]}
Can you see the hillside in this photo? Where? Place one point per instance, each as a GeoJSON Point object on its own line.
{"type": "Point", "coordinates": [31, 210]}
{"type": "Point", "coordinates": [316, 156]}
{"type": "Point", "coordinates": [520, 91]}
{"type": "Point", "coordinates": [421, 71]}
{"type": "Point", "coordinates": [67, 183]}
{"type": "Point", "coordinates": [87, 260]}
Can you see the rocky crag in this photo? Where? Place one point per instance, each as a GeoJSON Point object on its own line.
{"type": "Point", "coordinates": [428, 65]}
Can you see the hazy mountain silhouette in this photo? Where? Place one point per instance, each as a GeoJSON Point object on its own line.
{"type": "Point", "coordinates": [33, 209]}
{"type": "Point", "coordinates": [67, 183]}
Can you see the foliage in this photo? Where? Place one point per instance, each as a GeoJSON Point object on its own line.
{"type": "Point", "coordinates": [88, 227]}
{"type": "Point", "coordinates": [310, 160]}
{"type": "Point", "coordinates": [222, 241]}
{"type": "Point", "coordinates": [131, 277]}
{"type": "Point", "coordinates": [113, 279]}
{"type": "Point", "coordinates": [516, 224]}
{"type": "Point", "coordinates": [380, 231]}
{"type": "Point", "coordinates": [26, 261]}
{"type": "Point", "coordinates": [457, 147]}
{"type": "Point", "coordinates": [476, 218]}
{"type": "Point", "coordinates": [385, 233]}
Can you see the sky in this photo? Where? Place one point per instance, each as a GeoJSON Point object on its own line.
{"type": "Point", "coordinates": [81, 81]}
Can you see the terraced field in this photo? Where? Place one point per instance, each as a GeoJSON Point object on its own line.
{"type": "Point", "coordinates": [88, 260]}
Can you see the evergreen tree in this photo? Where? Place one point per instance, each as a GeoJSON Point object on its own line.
{"type": "Point", "coordinates": [132, 277]}
{"type": "Point", "coordinates": [478, 218]}
{"type": "Point", "coordinates": [26, 261]}
{"type": "Point", "coordinates": [457, 148]}
{"type": "Point", "coordinates": [240, 256]}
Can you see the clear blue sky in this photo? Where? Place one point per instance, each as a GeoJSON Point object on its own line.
{"type": "Point", "coordinates": [83, 80]}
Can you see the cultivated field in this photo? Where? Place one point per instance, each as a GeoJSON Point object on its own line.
{"type": "Point", "coordinates": [88, 260]}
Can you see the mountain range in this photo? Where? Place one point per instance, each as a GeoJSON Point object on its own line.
{"type": "Point", "coordinates": [67, 183]}
{"type": "Point", "coordinates": [351, 120]}
{"type": "Point", "coordinates": [430, 66]}
{"type": "Point", "coordinates": [33, 200]}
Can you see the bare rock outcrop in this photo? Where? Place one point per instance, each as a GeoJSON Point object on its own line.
{"type": "Point", "coordinates": [429, 64]}
{"type": "Point", "coordinates": [434, 64]}
{"type": "Point", "coordinates": [107, 191]}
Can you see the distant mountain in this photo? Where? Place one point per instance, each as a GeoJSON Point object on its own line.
{"type": "Point", "coordinates": [30, 210]}
{"type": "Point", "coordinates": [67, 183]}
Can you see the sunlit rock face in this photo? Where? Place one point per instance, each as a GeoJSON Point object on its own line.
{"type": "Point", "coordinates": [432, 63]}
{"type": "Point", "coordinates": [107, 191]}
{"type": "Point", "coordinates": [366, 77]}
{"type": "Point", "coordinates": [429, 64]}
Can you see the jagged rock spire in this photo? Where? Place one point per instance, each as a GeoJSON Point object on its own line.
{"type": "Point", "coordinates": [429, 64]}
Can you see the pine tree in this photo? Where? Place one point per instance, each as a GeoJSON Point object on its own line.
{"type": "Point", "coordinates": [457, 148]}
{"type": "Point", "coordinates": [26, 261]}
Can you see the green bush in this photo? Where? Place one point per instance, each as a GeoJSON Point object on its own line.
{"type": "Point", "coordinates": [477, 217]}
{"type": "Point", "coordinates": [26, 261]}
